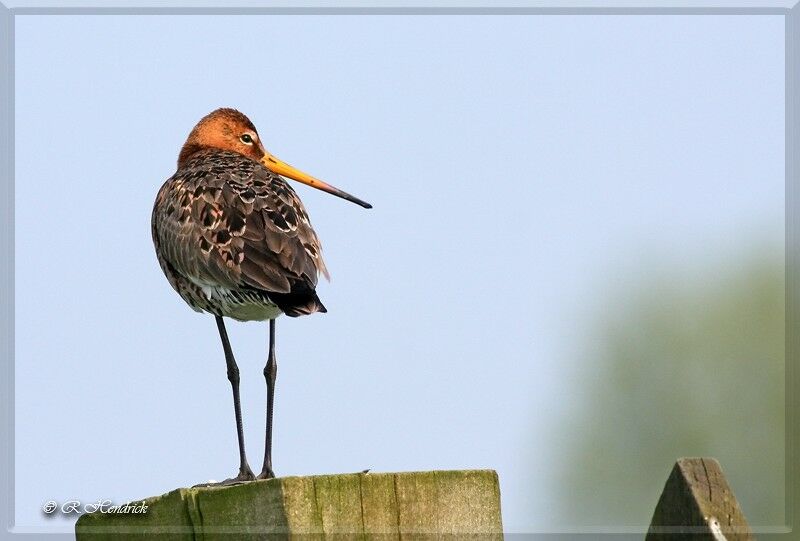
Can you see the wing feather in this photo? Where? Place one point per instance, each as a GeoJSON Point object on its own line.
{"type": "Point", "coordinates": [225, 220]}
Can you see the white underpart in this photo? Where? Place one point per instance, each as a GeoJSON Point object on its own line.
{"type": "Point", "coordinates": [236, 308]}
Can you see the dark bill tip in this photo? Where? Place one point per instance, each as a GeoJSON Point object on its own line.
{"type": "Point", "coordinates": [351, 198]}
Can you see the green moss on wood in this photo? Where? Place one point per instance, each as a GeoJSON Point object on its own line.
{"type": "Point", "coordinates": [385, 505]}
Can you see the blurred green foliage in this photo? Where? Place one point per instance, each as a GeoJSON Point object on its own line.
{"type": "Point", "coordinates": [683, 362]}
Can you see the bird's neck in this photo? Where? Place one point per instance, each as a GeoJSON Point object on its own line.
{"type": "Point", "coordinates": [188, 150]}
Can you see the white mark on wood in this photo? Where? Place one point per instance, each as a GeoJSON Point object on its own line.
{"type": "Point", "coordinates": [716, 529]}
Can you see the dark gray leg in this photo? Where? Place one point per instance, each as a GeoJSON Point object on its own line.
{"type": "Point", "coordinates": [245, 473]}
{"type": "Point", "coordinates": [270, 372]}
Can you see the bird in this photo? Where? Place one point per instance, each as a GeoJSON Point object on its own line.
{"type": "Point", "coordinates": [234, 240]}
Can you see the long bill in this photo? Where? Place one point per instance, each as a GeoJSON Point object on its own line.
{"type": "Point", "coordinates": [285, 170]}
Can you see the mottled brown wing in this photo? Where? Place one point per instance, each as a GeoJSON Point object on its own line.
{"type": "Point", "coordinates": [224, 220]}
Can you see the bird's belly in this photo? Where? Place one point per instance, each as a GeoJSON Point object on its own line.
{"type": "Point", "coordinates": [243, 305]}
{"type": "Point", "coordinates": [251, 311]}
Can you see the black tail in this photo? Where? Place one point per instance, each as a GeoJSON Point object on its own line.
{"type": "Point", "coordinates": [298, 303]}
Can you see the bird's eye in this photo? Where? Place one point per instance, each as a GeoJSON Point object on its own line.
{"type": "Point", "coordinates": [246, 139]}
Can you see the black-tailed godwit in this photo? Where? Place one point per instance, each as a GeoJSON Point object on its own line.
{"type": "Point", "coordinates": [234, 240]}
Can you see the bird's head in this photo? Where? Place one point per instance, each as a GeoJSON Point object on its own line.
{"type": "Point", "coordinates": [228, 129]}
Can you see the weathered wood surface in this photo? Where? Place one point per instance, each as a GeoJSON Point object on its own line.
{"type": "Point", "coordinates": [697, 504]}
{"type": "Point", "coordinates": [371, 505]}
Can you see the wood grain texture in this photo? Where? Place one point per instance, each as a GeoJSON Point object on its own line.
{"type": "Point", "coordinates": [697, 504]}
{"type": "Point", "coordinates": [365, 506]}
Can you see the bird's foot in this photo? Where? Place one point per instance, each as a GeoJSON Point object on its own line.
{"type": "Point", "coordinates": [266, 473]}
{"type": "Point", "coordinates": [243, 477]}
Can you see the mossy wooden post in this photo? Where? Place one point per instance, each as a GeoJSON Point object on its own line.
{"type": "Point", "coordinates": [365, 505]}
{"type": "Point", "coordinates": [698, 504]}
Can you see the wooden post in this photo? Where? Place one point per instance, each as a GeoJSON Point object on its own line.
{"type": "Point", "coordinates": [697, 504]}
{"type": "Point", "coordinates": [363, 504]}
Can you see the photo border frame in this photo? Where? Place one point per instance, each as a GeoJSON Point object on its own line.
{"type": "Point", "coordinates": [790, 9]}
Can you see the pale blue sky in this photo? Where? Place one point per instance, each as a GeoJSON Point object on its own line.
{"type": "Point", "coordinates": [518, 166]}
